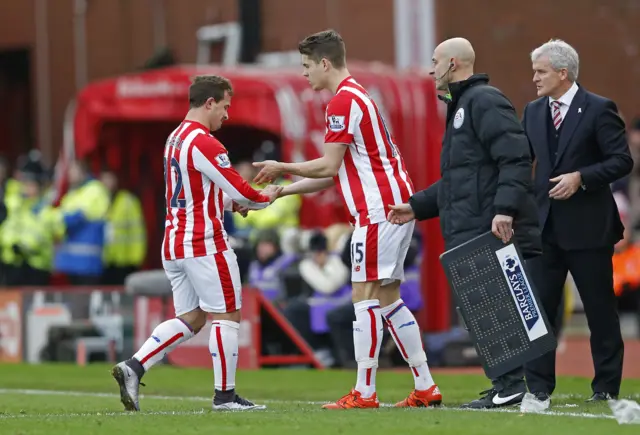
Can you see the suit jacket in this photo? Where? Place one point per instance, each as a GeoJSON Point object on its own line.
{"type": "Point", "coordinates": [593, 142]}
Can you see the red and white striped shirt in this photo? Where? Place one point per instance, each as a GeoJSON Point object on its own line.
{"type": "Point", "coordinates": [199, 185]}
{"type": "Point", "coordinates": [372, 175]}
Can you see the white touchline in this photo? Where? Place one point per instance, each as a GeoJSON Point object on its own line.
{"type": "Point", "coordinates": [98, 414]}
{"type": "Point", "coordinates": [208, 399]}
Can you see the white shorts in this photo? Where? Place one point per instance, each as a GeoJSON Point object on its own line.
{"type": "Point", "coordinates": [378, 252]}
{"type": "Point", "coordinates": [211, 282]}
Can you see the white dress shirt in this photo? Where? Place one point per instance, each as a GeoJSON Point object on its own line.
{"type": "Point", "coordinates": [566, 100]}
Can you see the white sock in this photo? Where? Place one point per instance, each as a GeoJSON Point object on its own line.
{"type": "Point", "coordinates": [223, 345]}
{"type": "Point", "coordinates": [367, 337]}
{"type": "Point", "coordinates": [163, 340]}
{"type": "Point", "coordinates": [406, 333]}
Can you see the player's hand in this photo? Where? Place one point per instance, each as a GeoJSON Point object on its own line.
{"type": "Point", "coordinates": [270, 170]}
{"type": "Point", "coordinates": [568, 184]}
{"type": "Point", "coordinates": [271, 188]}
{"type": "Point", "coordinates": [272, 191]}
{"type": "Point", "coordinates": [242, 210]}
{"type": "Point", "coordinates": [502, 227]}
{"type": "Point", "coordinates": [400, 214]}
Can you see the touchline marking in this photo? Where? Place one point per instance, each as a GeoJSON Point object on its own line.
{"type": "Point", "coordinates": [98, 414]}
{"type": "Point", "coordinates": [208, 399]}
{"type": "Point", "coordinates": [584, 397]}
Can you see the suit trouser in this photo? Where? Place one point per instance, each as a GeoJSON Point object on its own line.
{"type": "Point", "coordinates": [592, 271]}
{"type": "Point", "coordinates": [511, 382]}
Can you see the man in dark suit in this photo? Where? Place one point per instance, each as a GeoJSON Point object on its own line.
{"type": "Point", "coordinates": [578, 141]}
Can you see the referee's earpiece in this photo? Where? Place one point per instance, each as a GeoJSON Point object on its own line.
{"type": "Point", "coordinates": [451, 65]}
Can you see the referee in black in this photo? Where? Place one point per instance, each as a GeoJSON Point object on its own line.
{"type": "Point", "coordinates": [485, 178]}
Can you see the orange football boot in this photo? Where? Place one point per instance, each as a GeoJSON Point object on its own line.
{"type": "Point", "coordinates": [354, 400]}
{"type": "Point", "coordinates": [422, 398]}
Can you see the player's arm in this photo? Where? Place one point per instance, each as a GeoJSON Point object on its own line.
{"type": "Point", "coordinates": [307, 185]}
{"type": "Point", "coordinates": [213, 161]}
{"type": "Point", "coordinates": [227, 202]}
{"type": "Point", "coordinates": [343, 117]}
{"type": "Point", "coordinates": [326, 166]}
{"type": "Point", "coordinates": [229, 205]}
{"type": "Point", "coordinates": [425, 203]}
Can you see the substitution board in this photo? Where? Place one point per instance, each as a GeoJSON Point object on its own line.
{"type": "Point", "coordinates": [498, 304]}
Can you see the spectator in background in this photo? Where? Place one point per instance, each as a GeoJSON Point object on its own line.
{"type": "Point", "coordinates": [337, 235]}
{"type": "Point", "coordinates": [266, 272]}
{"type": "Point", "coordinates": [10, 191]}
{"type": "Point", "coordinates": [246, 170]}
{"type": "Point", "coordinates": [84, 210]}
{"type": "Point", "coordinates": [626, 264]}
{"type": "Point", "coordinates": [630, 185]}
{"type": "Point", "coordinates": [268, 265]}
{"type": "Point", "coordinates": [324, 276]}
{"type": "Point", "coordinates": [126, 234]}
{"type": "Point", "coordinates": [3, 180]}
{"type": "Point", "coordinates": [30, 230]}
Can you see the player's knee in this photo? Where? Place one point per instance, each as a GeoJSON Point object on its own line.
{"type": "Point", "coordinates": [365, 291]}
{"type": "Point", "coordinates": [367, 362]}
{"type": "Point", "coordinates": [233, 316]}
{"type": "Point", "coordinates": [389, 293]}
{"type": "Point", "coordinates": [390, 285]}
{"type": "Point", "coordinates": [196, 319]}
{"type": "Point", "coordinates": [417, 358]}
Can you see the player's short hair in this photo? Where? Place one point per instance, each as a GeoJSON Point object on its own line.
{"type": "Point", "coordinates": [204, 87]}
{"type": "Point", "coordinates": [327, 44]}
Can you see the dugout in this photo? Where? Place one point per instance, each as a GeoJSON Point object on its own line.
{"type": "Point", "coordinates": [123, 122]}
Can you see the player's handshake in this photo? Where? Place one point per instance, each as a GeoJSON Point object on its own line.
{"type": "Point", "coordinates": [240, 209]}
{"type": "Point", "coordinates": [272, 191]}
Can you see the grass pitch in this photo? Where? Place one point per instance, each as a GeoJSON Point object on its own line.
{"type": "Point", "coordinates": [66, 399]}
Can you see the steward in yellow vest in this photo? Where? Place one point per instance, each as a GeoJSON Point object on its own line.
{"type": "Point", "coordinates": [125, 233]}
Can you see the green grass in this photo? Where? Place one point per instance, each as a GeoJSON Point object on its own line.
{"type": "Point", "coordinates": [36, 400]}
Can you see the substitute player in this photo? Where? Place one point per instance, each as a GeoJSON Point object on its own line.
{"type": "Point", "coordinates": [197, 258]}
{"type": "Point", "coordinates": [361, 158]}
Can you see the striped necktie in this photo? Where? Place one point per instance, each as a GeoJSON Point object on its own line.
{"type": "Point", "coordinates": [555, 114]}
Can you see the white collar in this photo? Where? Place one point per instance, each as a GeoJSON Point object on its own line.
{"type": "Point", "coordinates": [567, 98]}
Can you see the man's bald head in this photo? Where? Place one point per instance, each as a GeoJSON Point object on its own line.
{"type": "Point", "coordinates": [459, 49]}
{"type": "Point", "coordinates": [452, 61]}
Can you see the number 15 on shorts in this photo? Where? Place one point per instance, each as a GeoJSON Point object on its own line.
{"type": "Point", "coordinates": [357, 255]}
